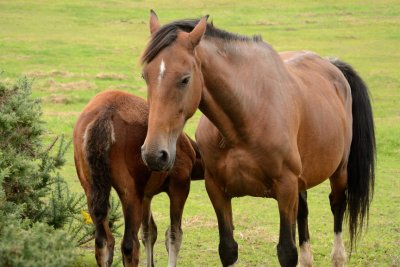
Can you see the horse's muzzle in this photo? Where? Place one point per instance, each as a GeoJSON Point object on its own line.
{"type": "Point", "coordinates": [157, 160]}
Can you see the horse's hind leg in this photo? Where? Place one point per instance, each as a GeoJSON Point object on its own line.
{"type": "Point", "coordinates": [104, 240]}
{"type": "Point", "coordinates": [132, 208]}
{"type": "Point", "coordinates": [104, 244]}
{"type": "Point", "coordinates": [306, 257]}
{"type": "Point", "coordinates": [149, 231]}
{"type": "Point", "coordinates": [228, 248]}
{"type": "Point", "coordinates": [178, 193]}
{"type": "Point", "coordinates": [337, 199]}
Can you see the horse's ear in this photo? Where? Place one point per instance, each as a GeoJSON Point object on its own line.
{"type": "Point", "coordinates": [197, 33]}
{"type": "Point", "coordinates": [154, 23]}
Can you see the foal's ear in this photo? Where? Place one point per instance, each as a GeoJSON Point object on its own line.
{"type": "Point", "coordinates": [154, 23]}
{"type": "Point", "coordinates": [197, 33]}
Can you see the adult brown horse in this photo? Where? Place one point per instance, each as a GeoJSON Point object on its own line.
{"type": "Point", "coordinates": [275, 126]}
{"type": "Point", "coordinates": [107, 140]}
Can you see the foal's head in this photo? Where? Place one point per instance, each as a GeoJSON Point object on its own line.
{"type": "Point", "coordinates": [174, 81]}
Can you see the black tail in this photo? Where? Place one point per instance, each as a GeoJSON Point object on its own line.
{"type": "Point", "coordinates": [98, 143]}
{"type": "Point", "coordinates": [361, 164]}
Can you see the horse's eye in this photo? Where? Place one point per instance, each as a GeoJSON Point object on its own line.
{"type": "Point", "coordinates": [184, 81]}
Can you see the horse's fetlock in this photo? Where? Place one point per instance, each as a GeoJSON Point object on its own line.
{"type": "Point", "coordinates": [287, 255]}
{"type": "Point", "coordinates": [127, 247]}
{"type": "Point", "coordinates": [228, 252]}
{"type": "Point", "coordinates": [100, 242]}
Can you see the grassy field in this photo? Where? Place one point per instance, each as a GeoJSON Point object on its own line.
{"type": "Point", "coordinates": [75, 49]}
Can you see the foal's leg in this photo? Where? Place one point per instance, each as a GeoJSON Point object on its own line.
{"type": "Point", "coordinates": [132, 208]}
{"type": "Point", "coordinates": [228, 248]}
{"type": "Point", "coordinates": [149, 231]}
{"type": "Point", "coordinates": [337, 199]}
{"type": "Point", "coordinates": [104, 244]}
{"type": "Point", "coordinates": [306, 257]}
{"type": "Point", "coordinates": [287, 197]}
{"type": "Point", "coordinates": [178, 193]}
{"type": "Point", "coordinates": [104, 240]}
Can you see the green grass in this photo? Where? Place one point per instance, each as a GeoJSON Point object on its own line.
{"type": "Point", "coordinates": [69, 46]}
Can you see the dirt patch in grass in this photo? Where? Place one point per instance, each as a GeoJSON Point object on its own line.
{"type": "Point", "coordinates": [52, 73]}
{"type": "Point", "coordinates": [267, 23]}
{"type": "Point", "coordinates": [59, 99]}
{"type": "Point", "coordinates": [62, 113]}
{"type": "Point", "coordinates": [70, 86]}
{"type": "Point", "coordinates": [123, 87]}
{"type": "Point", "coordinates": [257, 234]}
{"type": "Point", "coordinates": [110, 76]}
{"type": "Point", "coordinates": [197, 221]}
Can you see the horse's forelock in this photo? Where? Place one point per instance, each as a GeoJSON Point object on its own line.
{"type": "Point", "coordinates": [165, 36]}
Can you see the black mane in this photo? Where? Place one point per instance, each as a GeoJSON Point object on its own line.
{"type": "Point", "coordinates": [168, 33]}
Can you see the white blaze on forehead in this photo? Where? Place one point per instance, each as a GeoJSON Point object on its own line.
{"type": "Point", "coordinates": [162, 70]}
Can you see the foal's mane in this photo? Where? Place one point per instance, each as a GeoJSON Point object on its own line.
{"type": "Point", "coordinates": [168, 33]}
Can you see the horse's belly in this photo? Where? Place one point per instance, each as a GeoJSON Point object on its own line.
{"type": "Point", "coordinates": [322, 155]}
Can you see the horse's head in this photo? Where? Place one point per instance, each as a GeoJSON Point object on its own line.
{"type": "Point", "coordinates": [174, 81]}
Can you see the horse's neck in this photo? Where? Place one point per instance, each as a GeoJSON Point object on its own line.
{"type": "Point", "coordinates": [241, 80]}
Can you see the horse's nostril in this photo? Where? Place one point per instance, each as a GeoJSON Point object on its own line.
{"type": "Point", "coordinates": [164, 156]}
{"type": "Point", "coordinates": [157, 160]}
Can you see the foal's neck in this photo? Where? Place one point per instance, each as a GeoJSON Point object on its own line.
{"type": "Point", "coordinates": [241, 80]}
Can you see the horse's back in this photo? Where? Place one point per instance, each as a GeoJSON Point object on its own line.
{"type": "Point", "coordinates": [127, 112]}
{"type": "Point", "coordinates": [324, 101]}
{"type": "Point", "coordinates": [128, 115]}
{"type": "Point", "coordinates": [130, 107]}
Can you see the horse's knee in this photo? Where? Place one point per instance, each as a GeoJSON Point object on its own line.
{"type": "Point", "coordinates": [127, 246]}
{"type": "Point", "coordinates": [287, 255]}
{"type": "Point", "coordinates": [173, 237]}
{"type": "Point", "coordinates": [100, 241]}
{"type": "Point", "coordinates": [228, 252]}
{"type": "Point", "coordinates": [149, 235]}
{"type": "Point", "coordinates": [174, 234]}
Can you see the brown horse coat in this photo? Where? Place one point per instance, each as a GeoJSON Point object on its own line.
{"type": "Point", "coordinates": [107, 140]}
{"type": "Point", "coordinates": [275, 125]}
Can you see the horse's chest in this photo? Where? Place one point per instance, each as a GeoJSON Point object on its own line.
{"type": "Point", "coordinates": [239, 173]}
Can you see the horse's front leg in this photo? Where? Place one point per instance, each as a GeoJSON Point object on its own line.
{"type": "Point", "coordinates": [149, 231]}
{"type": "Point", "coordinates": [287, 197]}
{"type": "Point", "coordinates": [228, 248]}
{"type": "Point", "coordinates": [178, 192]}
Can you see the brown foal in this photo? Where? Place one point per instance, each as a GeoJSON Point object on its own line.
{"type": "Point", "coordinates": [107, 140]}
